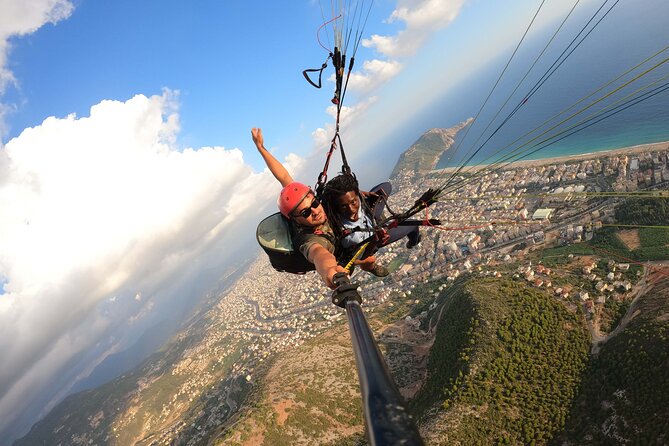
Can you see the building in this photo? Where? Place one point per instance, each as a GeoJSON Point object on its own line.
{"type": "Point", "coordinates": [542, 214]}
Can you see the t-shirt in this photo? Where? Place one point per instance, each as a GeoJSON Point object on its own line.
{"type": "Point", "coordinates": [306, 237]}
{"type": "Point", "coordinates": [356, 237]}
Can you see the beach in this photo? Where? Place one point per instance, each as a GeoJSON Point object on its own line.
{"type": "Point", "coordinates": [631, 150]}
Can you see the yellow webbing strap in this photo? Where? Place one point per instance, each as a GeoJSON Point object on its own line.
{"type": "Point", "coordinates": [356, 256]}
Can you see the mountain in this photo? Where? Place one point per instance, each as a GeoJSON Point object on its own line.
{"type": "Point", "coordinates": [480, 342]}
{"type": "Point", "coordinates": [623, 399]}
{"type": "Point", "coordinates": [483, 360]}
{"type": "Point", "coordinates": [114, 365]}
{"type": "Point", "coordinates": [477, 350]}
{"type": "Point", "coordinates": [424, 155]}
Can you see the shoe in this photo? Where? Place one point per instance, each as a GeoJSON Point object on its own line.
{"type": "Point", "coordinates": [413, 241]}
{"type": "Point", "coordinates": [379, 271]}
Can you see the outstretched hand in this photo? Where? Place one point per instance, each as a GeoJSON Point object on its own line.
{"type": "Point", "coordinates": [256, 134]}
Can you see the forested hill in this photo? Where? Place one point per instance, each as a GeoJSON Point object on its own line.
{"type": "Point", "coordinates": [505, 366]}
{"type": "Point", "coordinates": [623, 398]}
{"type": "Point", "coordinates": [424, 154]}
{"type": "Point", "coordinates": [509, 364]}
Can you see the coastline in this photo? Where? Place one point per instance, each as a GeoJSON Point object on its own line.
{"type": "Point", "coordinates": [640, 148]}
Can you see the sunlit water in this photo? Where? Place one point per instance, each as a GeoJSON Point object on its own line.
{"type": "Point", "coordinates": [618, 45]}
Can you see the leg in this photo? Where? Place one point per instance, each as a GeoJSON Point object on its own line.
{"type": "Point", "coordinates": [381, 189]}
{"type": "Point", "coordinates": [411, 232]}
{"type": "Point", "coordinates": [366, 264]}
{"type": "Point", "coordinates": [369, 264]}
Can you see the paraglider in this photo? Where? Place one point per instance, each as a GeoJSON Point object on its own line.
{"type": "Point", "coordinates": [288, 237]}
{"type": "Point", "coordinates": [303, 216]}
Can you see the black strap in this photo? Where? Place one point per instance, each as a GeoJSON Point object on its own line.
{"type": "Point", "coordinates": [427, 199]}
{"type": "Point", "coordinates": [316, 70]}
{"type": "Point", "coordinates": [429, 222]}
{"type": "Point", "coordinates": [339, 63]}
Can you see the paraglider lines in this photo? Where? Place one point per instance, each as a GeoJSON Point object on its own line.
{"type": "Point", "coordinates": [523, 150]}
{"type": "Point", "coordinates": [556, 64]}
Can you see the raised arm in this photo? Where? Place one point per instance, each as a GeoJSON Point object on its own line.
{"type": "Point", "coordinates": [277, 169]}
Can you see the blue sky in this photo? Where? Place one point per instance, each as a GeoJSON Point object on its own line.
{"type": "Point", "coordinates": [127, 171]}
{"type": "Point", "coordinates": [234, 64]}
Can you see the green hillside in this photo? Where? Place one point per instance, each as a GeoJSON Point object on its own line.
{"type": "Point", "coordinates": [424, 154]}
{"type": "Point", "coordinates": [623, 400]}
{"type": "Point", "coordinates": [646, 211]}
{"type": "Point", "coordinates": [506, 363]}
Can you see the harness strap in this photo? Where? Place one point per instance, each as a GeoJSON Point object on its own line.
{"type": "Point", "coordinates": [357, 255]}
{"type": "Point", "coordinates": [316, 70]}
{"type": "Point", "coordinates": [348, 231]}
{"type": "Point", "coordinates": [323, 176]}
{"type": "Point", "coordinates": [427, 222]}
{"type": "Point", "coordinates": [339, 62]}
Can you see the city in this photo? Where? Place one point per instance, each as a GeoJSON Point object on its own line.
{"type": "Point", "coordinates": [496, 225]}
{"type": "Point", "coordinates": [282, 310]}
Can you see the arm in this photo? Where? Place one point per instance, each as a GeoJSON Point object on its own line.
{"type": "Point", "coordinates": [277, 169]}
{"type": "Point", "coordinates": [325, 263]}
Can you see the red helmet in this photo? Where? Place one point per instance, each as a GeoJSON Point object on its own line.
{"type": "Point", "coordinates": [291, 196]}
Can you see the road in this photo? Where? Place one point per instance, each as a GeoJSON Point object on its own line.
{"type": "Point", "coordinates": [640, 289]}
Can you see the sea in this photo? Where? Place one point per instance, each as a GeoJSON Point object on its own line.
{"type": "Point", "coordinates": [630, 34]}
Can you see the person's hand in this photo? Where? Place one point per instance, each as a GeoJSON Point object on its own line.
{"type": "Point", "coordinates": [372, 198]}
{"type": "Point", "coordinates": [256, 134]}
{"type": "Point", "coordinates": [382, 236]}
{"type": "Point", "coordinates": [331, 273]}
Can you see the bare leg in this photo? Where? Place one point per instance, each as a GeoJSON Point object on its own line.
{"type": "Point", "coordinates": [366, 264]}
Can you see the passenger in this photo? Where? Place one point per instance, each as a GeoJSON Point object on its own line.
{"type": "Point", "coordinates": [297, 202]}
{"type": "Point", "coordinates": [353, 214]}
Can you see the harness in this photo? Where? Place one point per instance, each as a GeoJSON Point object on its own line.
{"type": "Point", "coordinates": [280, 240]}
{"type": "Point", "coordinates": [380, 229]}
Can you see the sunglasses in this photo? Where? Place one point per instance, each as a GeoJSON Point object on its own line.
{"type": "Point", "coordinates": [306, 212]}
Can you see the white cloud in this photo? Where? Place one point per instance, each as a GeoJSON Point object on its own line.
{"type": "Point", "coordinates": [374, 73]}
{"type": "Point", "coordinates": [19, 18]}
{"type": "Point", "coordinates": [104, 208]}
{"type": "Point", "coordinates": [385, 45]}
{"type": "Point", "coordinates": [421, 18]}
{"type": "Point", "coordinates": [322, 137]}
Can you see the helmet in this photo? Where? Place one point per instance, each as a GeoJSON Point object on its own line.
{"type": "Point", "coordinates": [291, 196]}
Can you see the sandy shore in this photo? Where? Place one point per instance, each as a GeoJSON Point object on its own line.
{"type": "Point", "coordinates": [641, 148]}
